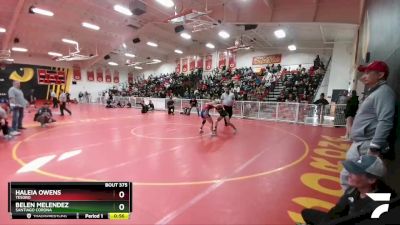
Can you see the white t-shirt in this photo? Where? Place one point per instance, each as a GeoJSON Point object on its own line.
{"type": "Point", "coordinates": [228, 99]}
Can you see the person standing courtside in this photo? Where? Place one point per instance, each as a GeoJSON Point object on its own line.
{"type": "Point", "coordinates": [374, 119]}
{"type": "Point", "coordinates": [53, 96]}
{"type": "Point", "coordinates": [63, 102]}
{"type": "Point", "coordinates": [228, 99]}
{"type": "Point", "coordinates": [17, 103]}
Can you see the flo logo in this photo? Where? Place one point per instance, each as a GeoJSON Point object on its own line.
{"type": "Point", "coordinates": [379, 197]}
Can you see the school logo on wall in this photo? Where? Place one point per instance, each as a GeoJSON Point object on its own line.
{"type": "Point", "coordinates": [27, 76]}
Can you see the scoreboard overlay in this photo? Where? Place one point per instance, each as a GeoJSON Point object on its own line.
{"type": "Point", "coordinates": [70, 200]}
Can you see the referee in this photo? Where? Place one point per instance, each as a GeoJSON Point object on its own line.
{"type": "Point", "coordinates": [228, 99]}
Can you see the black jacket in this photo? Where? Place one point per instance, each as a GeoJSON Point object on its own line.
{"type": "Point", "coordinates": [351, 203]}
{"type": "Point", "coordinates": [352, 107]}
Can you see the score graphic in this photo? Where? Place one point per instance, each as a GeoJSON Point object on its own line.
{"type": "Point", "coordinates": [70, 200]}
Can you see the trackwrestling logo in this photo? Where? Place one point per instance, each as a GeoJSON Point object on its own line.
{"type": "Point", "coordinates": [379, 197]}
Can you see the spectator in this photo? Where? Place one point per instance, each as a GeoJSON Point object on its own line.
{"type": "Point", "coordinates": [54, 99]}
{"type": "Point", "coordinates": [44, 115]}
{"type": "Point", "coordinates": [68, 97]}
{"type": "Point", "coordinates": [193, 104]}
{"type": "Point", "coordinates": [321, 103]}
{"type": "Point", "coordinates": [32, 100]}
{"type": "Point", "coordinates": [228, 99]}
{"type": "Point", "coordinates": [374, 119]}
{"type": "Point", "coordinates": [170, 105]}
{"type": "Point", "coordinates": [63, 101]}
{"type": "Point", "coordinates": [350, 113]}
{"type": "Point", "coordinates": [80, 96]}
{"type": "Point", "coordinates": [17, 103]}
{"type": "Point", "coordinates": [4, 125]}
{"type": "Point", "coordinates": [151, 106]}
{"type": "Point", "coordinates": [145, 108]}
{"type": "Point", "coordinates": [364, 177]}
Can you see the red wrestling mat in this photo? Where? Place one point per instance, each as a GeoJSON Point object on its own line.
{"type": "Point", "coordinates": [264, 174]}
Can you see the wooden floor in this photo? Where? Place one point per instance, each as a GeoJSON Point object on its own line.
{"type": "Point", "coordinates": [264, 174]}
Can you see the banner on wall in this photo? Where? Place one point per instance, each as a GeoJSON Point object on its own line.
{"type": "Point", "coordinates": [199, 63]}
{"type": "Point", "coordinates": [99, 74]}
{"type": "Point", "coordinates": [77, 72]}
{"type": "Point", "coordinates": [116, 76]}
{"type": "Point", "coordinates": [232, 59]}
{"type": "Point", "coordinates": [130, 77]}
{"type": "Point", "coordinates": [178, 66]}
{"type": "Point", "coordinates": [192, 63]}
{"type": "Point", "coordinates": [90, 74]}
{"type": "Point", "coordinates": [184, 65]}
{"type": "Point", "coordinates": [208, 62]}
{"type": "Point", "coordinates": [222, 59]}
{"type": "Point", "coordinates": [267, 59]}
{"type": "Point", "coordinates": [108, 75]}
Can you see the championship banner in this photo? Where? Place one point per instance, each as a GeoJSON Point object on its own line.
{"type": "Point", "coordinates": [99, 74]}
{"type": "Point", "coordinates": [208, 62]}
{"type": "Point", "coordinates": [267, 59]}
{"type": "Point", "coordinates": [192, 63]}
{"type": "Point", "coordinates": [199, 63]}
{"type": "Point", "coordinates": [184, 65]}
{"type": "Point", "coordinates": [116, 76]}
{"type": "Point", "coordinates": [232, 59]}
{"type": "Point", "coordinates": [221, 59]}
{"type": "Point", "coordinates": [77, 72]}
{"type": "Point", "coordinates": [108, 75]}
{"type": "Point", "coordinates": [90, 75]}
{"type": "Point", "coordinates": [178, 66]}
{"type": "Point", "coordinates": [130, 77]}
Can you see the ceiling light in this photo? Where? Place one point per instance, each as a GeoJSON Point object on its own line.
{"type": "Point", "coordinates": [156, 60]}
{"type": "Point", "coordinates": [124, 45]}
{"type": "Point", "coordinates": [90, 26]}
{"type": "Point", "coordinates": [41, 11]}
{"type": "Point", "coordinates": [166, 3]}
{"type": "Point", "coordinates": [178, 51]}
{"type": "Point", "coordinates": [280, 33]}
{"type": "Point", "coordinates": [292, 47]}
{"type": "Point", "coordinates": [186, 35]}
{"type": "Point", "coordinates": [130, 55]}
{"type": "Point", "coordinates": [9, 60]}
{"type": "Point", "coordinates": [69, 41]}
{"type": "Point", "coordinates": [123, 10]}
{"type": "Point", "coordinates": [152, 44]}
{"type": "Point", "coordinates": [138, 67]}
{"type": "Point", "coordinates": [54, 54]}
{"type": "Point", "coordinates": [18, 49]}
{"type": "Point", "coordinates": [224, 34]}
{"type": "Point", "coordinates": [209, 45]}
{"type": "Point", "coordinates": [2, 30]}
{"type": "Point", "coordinates": [112, 63]}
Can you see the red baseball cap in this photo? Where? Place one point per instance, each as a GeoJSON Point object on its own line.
{"type": "Point", "coordinates": [378, 66]}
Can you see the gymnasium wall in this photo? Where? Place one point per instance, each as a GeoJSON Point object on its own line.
{"type": "Point", "coordinates": [94, 87]}
{"type": "Point", "coordinates": [245, 58]}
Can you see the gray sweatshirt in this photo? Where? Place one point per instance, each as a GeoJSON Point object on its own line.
{"type": "Point", "coordinates": [374, 118]}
